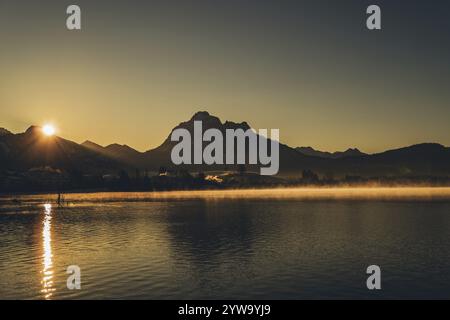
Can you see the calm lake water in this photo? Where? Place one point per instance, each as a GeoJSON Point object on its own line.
{"type": "Point", "coordinates": [261, 244]}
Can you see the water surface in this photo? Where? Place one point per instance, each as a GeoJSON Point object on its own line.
{"type": "Point", "coordinates": [258, 244]}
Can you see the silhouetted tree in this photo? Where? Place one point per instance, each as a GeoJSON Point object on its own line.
{"type": "Point", "coordinates": [309, 176]}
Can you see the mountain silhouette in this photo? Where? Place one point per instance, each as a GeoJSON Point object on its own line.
{"type": "Point", "coordinates": [431, 159]}
{"type": "Point", "coordinates": [122, 153]}
{"type": "Point", "coordinates": [309, 151]}
{"type": "Point", "coordinates": [4, 132]}
{"type": "Point", "coordinates": [161, 156]}
{"type": "Point", "coordinates": [31, 149]}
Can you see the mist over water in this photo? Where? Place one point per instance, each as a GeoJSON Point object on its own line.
{"type": "Point", "coordinates": [236, 244]}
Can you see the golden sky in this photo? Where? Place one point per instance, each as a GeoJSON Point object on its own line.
{"type": "Point", "coordinates": [311, 69]}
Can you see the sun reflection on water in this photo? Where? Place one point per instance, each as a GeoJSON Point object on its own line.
{"type": "Point", "coordinates": [47, 257]}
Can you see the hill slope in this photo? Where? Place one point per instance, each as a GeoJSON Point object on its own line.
{"type": "Point", "coordinates": [32, 149]}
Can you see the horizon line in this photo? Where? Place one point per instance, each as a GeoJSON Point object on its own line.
{"type": "Point", "coordinates": [88, 140]}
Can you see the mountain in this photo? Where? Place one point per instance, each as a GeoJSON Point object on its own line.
{"type": "Point", "coordinates": [309, 151]}
{"type": "Point", "coordinates": [32, 149]}
{"type": "Point", "coordinates": [421, 159]}
{"type": "Point", "coordinates": [161, 156]}
{"type": "Point", "coordinates": [4, 132]}
{"type": "Point", "coordinates": [290, 160]}
{"type": "Point", "coordinates": [122, 153]}
{"type": "Point", "coordinates": [427, 159]}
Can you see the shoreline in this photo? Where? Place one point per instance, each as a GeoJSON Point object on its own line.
{"type": "Point", "coordinates": [281, 193]}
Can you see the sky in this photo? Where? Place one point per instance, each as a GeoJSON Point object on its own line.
{"type": "Point", "coordinates": [309, 68]}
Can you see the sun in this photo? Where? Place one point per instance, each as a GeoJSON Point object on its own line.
{"type": "Point", "coordinates": [48, 130]}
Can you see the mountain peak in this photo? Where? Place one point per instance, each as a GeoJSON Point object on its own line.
{"type": "Point", "coordinates": [89, 143]}
{"type": "Point", "coordinates": [4, 132]}
{"type": "Point", "coordinates": [33, 130]}
{"type": "Point", "coordinates": [429, 145]}
{"type": "Point", "coordinates": [201, 116]}
{"type": "Point", "coordinates": [207, 120]}
{"type": "Point", "coordinates": [350, 152]}
{"type": "Point", "coordinates": [233, 125]}
{"type": "Point", "coordinates": [116, 146]}
{"type": "Point", "coordinates": [420, 147]}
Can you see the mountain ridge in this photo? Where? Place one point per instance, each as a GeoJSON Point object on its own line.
{"type": "Point", "coordinates": [25, 150]}
{"type": "Point", "coordinates": [350, 152]}
{"type": "Point", "coordinates": [4, 132]}
{"type": "Point", "coordinates": [30, 149]}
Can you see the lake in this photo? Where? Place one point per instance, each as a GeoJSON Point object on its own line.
{"type": "Point", "coordinates": [301, 243]}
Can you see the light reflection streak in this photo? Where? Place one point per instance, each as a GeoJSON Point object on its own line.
{"type": "Point", "coordinates": [47, 257]}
